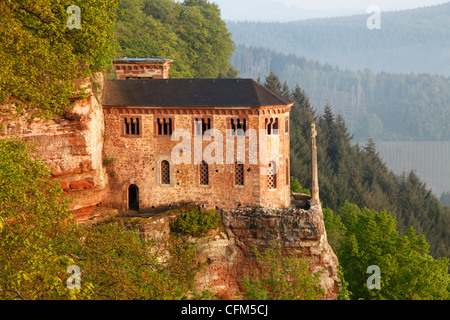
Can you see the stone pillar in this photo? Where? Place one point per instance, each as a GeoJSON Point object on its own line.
{"type": "Point", "coordinates": [314, 172]}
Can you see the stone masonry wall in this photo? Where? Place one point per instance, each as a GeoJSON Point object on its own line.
{"type": "Point", "coordinates": [137, 160]}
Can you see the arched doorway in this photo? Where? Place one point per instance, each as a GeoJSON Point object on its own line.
{"type": "Point", "coordinates": [133, 198]}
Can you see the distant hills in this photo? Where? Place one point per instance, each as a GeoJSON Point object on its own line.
{"type": "Point", "coordinates": [416, 40]}
{"type": "Point", "coordinates": [391, 84]}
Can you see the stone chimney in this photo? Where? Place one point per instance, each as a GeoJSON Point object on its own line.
{"type": "Point", "coordinates": [141, 68]}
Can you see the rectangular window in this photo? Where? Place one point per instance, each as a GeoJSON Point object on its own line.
{"type": "Point", "coordinates": [204, 173]}
{"type": "Point", "coordinates": [131, 126]}
{"type": "Point", "coordinates": [272, 176]}
{"type": "Point", "coordinates": [165, 172]}
{"type": "Point", "coordinates": [286, 125]}
{"type": "Point", "coordinates": [202, 124]}
{"type": "Point", "coordinates": [238, 174]}
{"type": "Point", "coordinates": [238, 126]}
{"type": "Point", "coordinates": [164, 126]}
{"type": "Point", "coordinates": [271, 126]}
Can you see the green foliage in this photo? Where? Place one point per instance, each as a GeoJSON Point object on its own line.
{"type": "Point", "coordinates": [195, 222]}
{"type": "Point", "coordinates": [41, 60]}
{"type": "Point", "coordinates": [367, 237]}
{"type": "Point", "coordinates": [356, 173]}
{"type": "Point", "coordinates": [39, 240]}
{"type": "Point", "coordinates": [191, 33]}
{"type": "Point", "coordinates": [297, 188]}
{"type": "Point", "coordinates": [445, 198]}
{"type": "Point", "coordinates": [282, 277]}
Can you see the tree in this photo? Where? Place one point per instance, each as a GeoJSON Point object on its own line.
{"type": "Point", "coordinates": [366, 238]}
{"type": "Point", "coordinates": [39, 240]}
{"type": "Point", "coordinates": [282, 277]}
{"type": "Point", "coordinates": [41, 59]}
{"type": "Point", "coordinates": [191, 33]}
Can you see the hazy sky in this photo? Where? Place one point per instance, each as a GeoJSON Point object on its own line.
{"type": "Point", "coordinates": [356, 4]}
{"type": "Point", "coordinates": [283, 10]}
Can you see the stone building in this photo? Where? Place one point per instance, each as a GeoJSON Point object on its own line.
{"type": "Point", "coordinates": [210, 142]}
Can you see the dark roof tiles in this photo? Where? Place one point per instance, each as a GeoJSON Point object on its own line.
{"type": "Point", "coordinates": [189, 93]}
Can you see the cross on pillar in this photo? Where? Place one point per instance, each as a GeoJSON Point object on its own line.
{"type": "Point", "coordinates": [314, 171]}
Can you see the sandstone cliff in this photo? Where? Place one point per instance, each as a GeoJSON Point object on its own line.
{"type": "Point", "coordinates": [72, 146]}
{"type": "Point", "coordinates": [228, 251]}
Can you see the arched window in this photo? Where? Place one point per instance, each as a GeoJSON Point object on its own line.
{"type": "Point", "coordinates": [204, 174]}
{"type": "Point", "coordinates": [272, 176]}
{"type": "Point", "coordinates": [239, 174]}
{"type": "Point", "coordinates": [165, 172]}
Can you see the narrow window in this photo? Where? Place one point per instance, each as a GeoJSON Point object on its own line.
{"type": "Point", "coordinates": [239, 174]}
{"type": "Point", "coordinates": [204, 174]}
{"type": "Point", "coordinates": [198, 126]}
{"type": "Point", "coordinates": [269, 126]}
{"type": "Point", "coordinates": [170, 126]}
{"type": "Point", "coordinates": [166, 127]}
{"type": "Point", "coordinates": [272, 176]}
{"type": "Point", "coordinates": [286, 125]}
{"type": "Point", "coordinates": [275, 126]}
{"type": "Point", "coordinates": [159, 125]}
{"type": "Point", "coordinates": [127, 126]}
{"type": "Point", "coordinates": [133, 126]}
{"type": "Point", "coordinates": [165, 172]}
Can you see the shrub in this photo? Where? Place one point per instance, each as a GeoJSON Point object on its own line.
{"type": "Point", "coordinates": [196, 222]}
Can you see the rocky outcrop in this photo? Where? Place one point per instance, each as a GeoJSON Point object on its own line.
{"type": "Point", "coordinates": [227, 253]}
{"type": "Point", "coordinates": [72, 146]}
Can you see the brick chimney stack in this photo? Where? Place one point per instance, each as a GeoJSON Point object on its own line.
{"type": "Point", "coordinates": [142, 68]}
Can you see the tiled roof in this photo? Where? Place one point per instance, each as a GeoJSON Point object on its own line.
{"type": "Point", "coordinates": [189, 93]}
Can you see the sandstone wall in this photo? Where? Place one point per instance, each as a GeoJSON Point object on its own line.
{"type": "Point", "coordinates": [228, 251]}
{"type": "Point", "coordinates": [136, 160]}
{"type": "Point", "coordinates": [72, 146]}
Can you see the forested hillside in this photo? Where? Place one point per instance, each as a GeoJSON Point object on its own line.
{"type": "Point", "coordinates": [191, 33]}
{"type": "Point", "coordinates": [383, 106]}
{"type": "Point", "coordinates": [408, 114]}
{"type": "Point", "coordinates": [409, 41]}
{"type": "Point", "coordinates": [355, 173]}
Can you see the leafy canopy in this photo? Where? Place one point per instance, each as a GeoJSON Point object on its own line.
{"type": "Point", "coordinates": [191, 33]}
{"type": "Point", "coordinates": [41, 59]}
{"type": "Point", "coordinates": [363, 237]}
{"type": "Point", "coordinates": [39, 240]}
{"type": "Point", "coordinates": [282, 277]}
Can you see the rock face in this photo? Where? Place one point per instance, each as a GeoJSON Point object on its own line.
{"type": "Point", "coordinates": [229, 254]}
{"type": "Point", "coordinates": [72, 146]}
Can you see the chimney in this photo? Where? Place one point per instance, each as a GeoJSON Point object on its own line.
{"type": "Point", "coordinates": [141, 68]}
